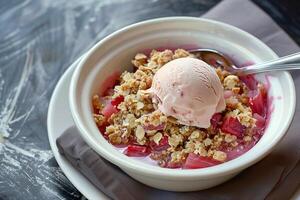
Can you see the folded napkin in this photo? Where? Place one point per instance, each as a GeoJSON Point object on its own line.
{"type": "Point", "coordinates": [275, 177]}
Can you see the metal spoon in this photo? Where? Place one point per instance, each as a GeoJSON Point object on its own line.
{"type": "Point", "coordinates": [217, 59]}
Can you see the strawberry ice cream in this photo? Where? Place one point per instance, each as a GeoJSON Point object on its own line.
{"type": "Point", "coordinates": [189, 90]}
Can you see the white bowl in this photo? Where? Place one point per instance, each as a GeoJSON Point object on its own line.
{"type": "Point", "coordinates": [115, 52]}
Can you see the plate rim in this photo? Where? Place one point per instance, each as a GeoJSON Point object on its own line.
{"type": "Point", "coordinates": [64, 165]}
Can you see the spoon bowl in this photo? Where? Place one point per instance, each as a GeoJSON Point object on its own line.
{"type": "Point", "coordinates": [214, 58]}
{"type": "Point", "coordinates": [218, 59]}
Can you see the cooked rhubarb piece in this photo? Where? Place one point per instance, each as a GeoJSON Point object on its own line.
{"type": "Point", "coordinates": [260, 121]}
{"type": "Point", "coordinates": [173, 165]}
{"type": "Point", "coordinates": [102, 128]}
{"type": "Point", "coordinates": [154, 128]}
{"type": "Point", "coordinates": [216, 120]}
{"type": "Point", "coordinates": [111, 106]}
{"type": "Point", "coordinates": [233, 126]}
{"type": "Point", "coordinates": [258, 103]}
{"type": "Point", "coordinates": [195, 161]}
{"type": "Point", "coordinates": [136, 150]}
{"type": "Point", "coordinates": [163, 144]}
{"type": "Point", "coordinates": [108, 110]}
{"type": "Point", "coordinates": [250, 81]}
{"type": "Point", "coordinates": [116, 101]}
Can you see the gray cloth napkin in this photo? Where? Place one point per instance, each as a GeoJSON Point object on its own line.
{"type": "Point", "coordinates": [247, 16]}
{"type": "Point", "coordinates": [275, 177]}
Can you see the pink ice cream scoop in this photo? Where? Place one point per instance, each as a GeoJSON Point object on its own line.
{"type": "Point", "coordinates": [189, 90]}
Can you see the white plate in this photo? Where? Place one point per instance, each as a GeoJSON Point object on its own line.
{"type": "Point", "coordinates": [59, 119]}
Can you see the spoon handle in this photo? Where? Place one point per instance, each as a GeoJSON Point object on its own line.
{"type": "Point", "coordinates": [289, 62]}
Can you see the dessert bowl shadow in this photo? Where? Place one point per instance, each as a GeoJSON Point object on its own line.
{"type": "Point", "coordinates": [113, 54]}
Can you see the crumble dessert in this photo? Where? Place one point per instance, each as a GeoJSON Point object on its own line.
{"type": "Point", "coordinates": [128, 115]}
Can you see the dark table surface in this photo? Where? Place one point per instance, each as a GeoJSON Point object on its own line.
{"type": "Point", "coordinates": [38, 41]}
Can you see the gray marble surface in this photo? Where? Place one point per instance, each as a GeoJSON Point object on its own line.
{"type": "Point", "coordinates": [38, 41]}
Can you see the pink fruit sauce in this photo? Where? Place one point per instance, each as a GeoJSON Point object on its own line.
{"type": "Point", "coordinates": [259, 102]}
{"type": "Point", "coordinates": [109, 83]}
